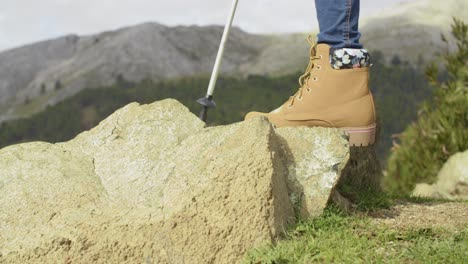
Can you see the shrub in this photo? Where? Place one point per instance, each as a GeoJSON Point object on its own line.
{"type": "Point", "coordinates": [441, 129]}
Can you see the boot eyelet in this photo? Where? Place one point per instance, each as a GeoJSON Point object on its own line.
{"type": "Point", "coordinates": [315, 79]}
{"type": "Point", "coordinates": [319, 67]}
{"type": "Point", "coordinates": [320, 56]}
{"type": "Point", "coordinates": [308, 89]}
{"type": "Point", "coordinates": [289, 106]}
{"type": "Point", "coordinates": [299, 98]}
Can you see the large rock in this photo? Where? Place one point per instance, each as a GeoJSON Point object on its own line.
{"type": "Point", "coordinates": [152, 184]}
{"type": "Point", "coordinates": [452, 180]}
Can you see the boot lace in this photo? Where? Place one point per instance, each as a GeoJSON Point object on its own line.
{"type": "Point", "coordinates": [307, 74]}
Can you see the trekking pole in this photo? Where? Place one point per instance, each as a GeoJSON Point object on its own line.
{"type": "Point", "coordinates": [207, 101]}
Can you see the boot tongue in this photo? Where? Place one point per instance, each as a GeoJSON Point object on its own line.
{"type": "Point", "coordinates": [323, 49]}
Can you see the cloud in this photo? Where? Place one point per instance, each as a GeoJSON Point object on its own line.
{"type": "Point", "coordinates": [25, 21]}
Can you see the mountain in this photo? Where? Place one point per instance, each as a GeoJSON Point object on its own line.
{"type": "Point", "coordinates": [412, 30]}
{"type": "Point", "coordinates": [53, 70]}
{"type": "Point", "coordinates": [41, 74]}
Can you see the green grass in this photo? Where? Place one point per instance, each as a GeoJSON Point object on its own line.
{"type": "Point", "coordinates": [33, 106]}
{"type": "Point", "coordinates": [339, 238]}
{"type": "Point", "coordinates": [367, 200]}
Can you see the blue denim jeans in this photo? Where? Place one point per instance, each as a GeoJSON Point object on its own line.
{"type": "Point", "coordinates": [338, 23]}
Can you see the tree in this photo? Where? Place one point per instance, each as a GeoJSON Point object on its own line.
{"type": "Point", "coordinates": [43, 88]}
{"type": "Point", "coordinates": [396, 60]}
{"type": "Point", "coordinates": [441, 129]}
{"type": "Point", "coordinates": [58, 85]}
{"type": "Point", "coordinates": [377, 57]}
{"type": "Point", "coordinates": [421, 61]}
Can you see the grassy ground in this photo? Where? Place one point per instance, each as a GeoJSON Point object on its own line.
{"type": "Point", "coordinates": [336, 237]}
{"type": "Point", "coordinates": [33, 106]}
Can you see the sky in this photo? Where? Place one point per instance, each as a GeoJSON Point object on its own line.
{"type": "Point", "coordinates": [26, 21]}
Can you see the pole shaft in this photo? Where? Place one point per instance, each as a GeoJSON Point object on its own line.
{"type": "Point", "coordinates": [219, 56]}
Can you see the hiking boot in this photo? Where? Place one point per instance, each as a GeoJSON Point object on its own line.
{"type": "Point", "coordinates": [334, 92]}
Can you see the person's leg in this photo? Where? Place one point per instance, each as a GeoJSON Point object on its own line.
{"type": "Point", "coordinates": [334, 90]}
{"type": "Point", "coordinates": [338, 23]}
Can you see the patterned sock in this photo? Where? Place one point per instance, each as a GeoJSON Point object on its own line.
{"type": "Point", "coordinates": [349, 58]}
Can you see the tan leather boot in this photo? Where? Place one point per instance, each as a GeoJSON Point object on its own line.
{"type": "Point", "coordinates": [329, 98]}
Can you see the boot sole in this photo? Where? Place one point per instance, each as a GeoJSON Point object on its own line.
{"type": "Point", "coordinates": [361, 136]}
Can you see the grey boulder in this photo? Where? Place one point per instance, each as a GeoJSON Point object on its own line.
{"type": "Point", "coordinates": [452, 180]}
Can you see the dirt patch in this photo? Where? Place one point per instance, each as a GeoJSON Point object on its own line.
{"type": "Point", "coordinates": [452, 216]}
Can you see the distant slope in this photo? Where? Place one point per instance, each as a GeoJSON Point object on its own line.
{"type": "Point", "coordinates": [19, 67]}
{"type": "Point", "coordinates": [423, 12]}
{"type": "Point", "coordinates": [144, 51]}
{"type": "Point", "coordinates": [412, 30]}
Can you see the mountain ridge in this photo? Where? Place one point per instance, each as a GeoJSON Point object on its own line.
{"type": "Point", "coordinates": [148, 50]}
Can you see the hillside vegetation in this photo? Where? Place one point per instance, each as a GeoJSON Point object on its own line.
{"type": "Point", "coordinates": [441, 128]}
